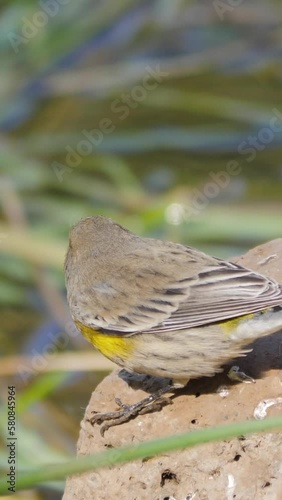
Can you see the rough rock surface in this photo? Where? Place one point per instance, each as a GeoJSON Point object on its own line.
{"type": "Point", "coordinates": [240, 469]}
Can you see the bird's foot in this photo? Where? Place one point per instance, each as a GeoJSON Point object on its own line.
{"type": "Point", "coordinates": [154, 402]}
{"type": "Point", "coordinates": [236, 374]}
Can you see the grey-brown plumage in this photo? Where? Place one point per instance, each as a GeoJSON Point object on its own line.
{"type": "Point", "coordinates": [123, 283]}
{"type": "Point", "coordinates": [161, 308]}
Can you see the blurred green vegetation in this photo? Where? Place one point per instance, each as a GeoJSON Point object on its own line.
{"type": "Point", "coordinates": [170, 93]}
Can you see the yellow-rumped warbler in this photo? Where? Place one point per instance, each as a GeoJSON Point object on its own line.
{"type": "Point", "coordinates": [161, 308]}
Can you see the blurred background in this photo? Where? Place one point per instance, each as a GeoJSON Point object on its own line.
{"type": "Point", "coordinates": [164, 115]}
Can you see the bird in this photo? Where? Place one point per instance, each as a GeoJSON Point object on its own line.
{"type": "Point", "coordinates": [161, 308]}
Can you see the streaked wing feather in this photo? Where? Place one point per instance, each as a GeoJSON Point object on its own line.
{"type": "Point", "coordinates": [182, 296]}
{"type": "Point", "coordinates": [223, 291]}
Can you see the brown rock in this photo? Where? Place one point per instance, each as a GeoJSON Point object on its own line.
{"type": "Point", "coordinates": [250, 468]}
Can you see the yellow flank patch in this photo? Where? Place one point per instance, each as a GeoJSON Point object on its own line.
{"type": "Point", "coordinates": [230, 325]}
{"type": "Point", "coordinates": [112, 346]}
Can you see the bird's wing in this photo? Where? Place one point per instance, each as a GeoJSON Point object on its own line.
{"type": "Point", "coordinates": [226, 291]}
{"type": "Point", "coordinates": [221, 290]}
